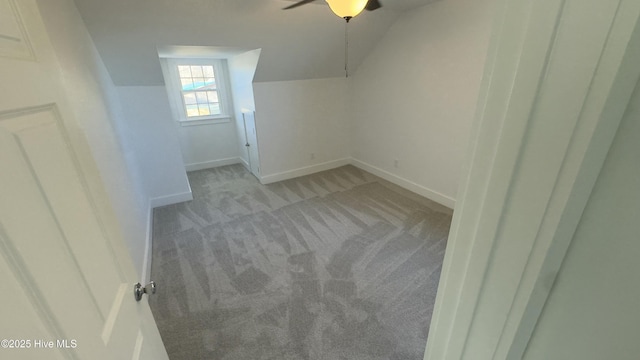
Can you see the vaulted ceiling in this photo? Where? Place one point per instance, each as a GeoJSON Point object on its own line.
{"type": "Point", "coordinates": [302, 43]}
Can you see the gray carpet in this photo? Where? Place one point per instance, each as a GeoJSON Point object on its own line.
{"type": "Point", "coordinates": [335, 265]}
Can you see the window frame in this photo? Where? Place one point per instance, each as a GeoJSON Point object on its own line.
{"type": "Point", "coordinates": [174, 88]}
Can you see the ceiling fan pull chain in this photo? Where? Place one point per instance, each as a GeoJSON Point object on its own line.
{"type": "Point", "coordinates": [346, 48]}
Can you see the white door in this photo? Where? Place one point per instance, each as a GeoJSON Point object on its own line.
{"type": "Point", "coordinates": [66, 287]}
{"type": "Point", "coordinates": [252, 142]}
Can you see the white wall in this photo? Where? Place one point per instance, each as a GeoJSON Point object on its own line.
{"type": "Point", "coordinates": [414, 96]}
{"type": "Point", "coordinates": [592, 312]}
{"type": "Point", "coordinates": [242, 68]}
{"type": "Point", "coordinates": [149, 124]}
{"type": "Point", "coordinates": [203, 145]}
{"type": "Point", "coordinates": [209, 145]}
{"type": "Point", "coordinates": [95, 102]}
{"type": "Point", "coordinates": [302, 126]}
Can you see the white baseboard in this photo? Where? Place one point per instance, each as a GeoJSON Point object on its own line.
{"type": "Point", "coordinates": [400, 181]}
{"type": "Point", "coordinates": [154, 203]}
{"type": "Point", "coordinates": [170, 199]}
{"type": "Point", "coordinates": [307, 170]}
{"type": "Point", "coordinates": [187, 196]}
{"type": "Point", "coordinates": [245, 164]}
{"type": "Point", "coordinates": [407, 184]}
{"type": "Point", "coordinates": [213, 163]}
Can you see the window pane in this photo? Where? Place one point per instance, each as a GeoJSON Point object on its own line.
{"type": "Point", "coordinates": [189, 98]}
{"type": "Point", "coordinates": [213, 96]}
{"type": "Point", "coordinates": [209, 83]}
{"type": "Point", "coordinates": [192, 110]}
{"type": "Point", "coordinates": [185, 71]}
{"type": "Point", "coordinates": [187, 84]}
{"type": "Point", "coordinates": [196, 71]}
{"type": "Point", "coordinates": [204, 109]}
{"type": "Point", "coordinates": [208, 71]}
{"type": "Point", "coordinates": [198, 83]}
{"type": "Point", "coordinates": [202, 97]}
{"type": "Point", "coordinates": [199, 90]}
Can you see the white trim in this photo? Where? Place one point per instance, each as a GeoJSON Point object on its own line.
{"type": "Point", "coordinates": [213, 163]}
{"type": "Point", "coordinates": [245, 163]}
{"type": "Point", "coordinates": [531, 168]}
{"type": "Point", "coordinates": [307, 170]}
{"type": "Point", "coordinates": [407, 184]}
{"type": "Point", "coordinates": [212, 120]}
{"type": "Point", "coordinates": [170, 199]}
{"type": "Point", "coordinates": [393, 178]}
{"type": "Point", "coordinates": [146, 262]}
{"type": "Point", "coordinates": [285, 175]}
{"type": "Point", "coordinates": [154, 203]}
{"type": "Point", "coordinates": [137, 349]}
{"type": "Point", "coordinates": [174, 90]}
{"type": "Point", "coordinates": [597, 126]}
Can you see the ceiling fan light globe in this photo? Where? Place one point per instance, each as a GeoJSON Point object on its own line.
{"type": "Point", "coordinates": [347, 8]}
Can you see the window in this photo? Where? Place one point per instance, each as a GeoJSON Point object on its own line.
{"type": "Point", "coordinates": [197, 89]}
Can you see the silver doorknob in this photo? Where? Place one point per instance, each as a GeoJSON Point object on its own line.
{"type": "Point", "coordinates": [247, 145]}
{"type": "Point", "coordinates": [139, 290]}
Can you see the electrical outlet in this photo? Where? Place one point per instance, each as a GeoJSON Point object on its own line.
{"type": "Point", "coordinates": [313, 156]}
{"type": "Point", "coordinates": [396, 163]}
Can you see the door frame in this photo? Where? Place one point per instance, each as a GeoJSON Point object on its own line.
{"type": "Point", "coordinates": [531, 166]}
{"type": "Point", "coordinates": [48, 104]}
{"type": "Point", "coordinates": [246, 140]}
{"type": "Point", "coordinates": [256, 173]}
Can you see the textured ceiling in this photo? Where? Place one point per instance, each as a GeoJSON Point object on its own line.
{"type": "Point", "coordinates": [301, 43]}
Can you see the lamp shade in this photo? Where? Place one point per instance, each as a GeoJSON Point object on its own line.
{"type": "Point", "coordinates": [347, 8]}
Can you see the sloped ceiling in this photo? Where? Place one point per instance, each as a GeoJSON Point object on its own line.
{"type": "Point", "coordinates": [302, 43]}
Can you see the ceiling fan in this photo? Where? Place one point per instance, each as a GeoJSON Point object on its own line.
{"type": "Point", "coordinates": [345, 9]}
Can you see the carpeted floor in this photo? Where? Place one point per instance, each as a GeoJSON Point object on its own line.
{"type": "Point", "coordinates": [335, 265]}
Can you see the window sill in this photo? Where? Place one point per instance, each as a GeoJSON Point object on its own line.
{"type": "Point", "coordinates": [209, 121]}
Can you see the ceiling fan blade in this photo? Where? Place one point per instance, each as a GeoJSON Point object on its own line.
{"type": "Point", "coordinates": [299, 3]}
{"type": "Point", "coordinates": [372, 5]}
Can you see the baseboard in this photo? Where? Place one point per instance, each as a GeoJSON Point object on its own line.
{"type": "Point", "coordinates": [267, 179]}
{"type": "Point", "coordinates": [245, 164]}
{"type": "Point", "coordinates": [407, 184]}
{"type": "Point", "coordinates": [170, 199]}
{"type": "Point", "coordinates": [154, 203]}
{"type": "Point", "coordinates": [400, 181]}
{"type": "Point", "coordinates": [213, 163]}
{"type": "Point", "coordinates": [307, 170]}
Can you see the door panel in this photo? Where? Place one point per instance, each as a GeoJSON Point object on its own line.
{"type": "Point", "coordinates": [22, 321]}
{"type": "Point", "coordinates": [66, 275]}
{"type": "Point", "coordinates": [45, 150]}
{"type": "Point", "coordinates": [34, 239]}
{"type": "Point", "coordinates": [14, 41]}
